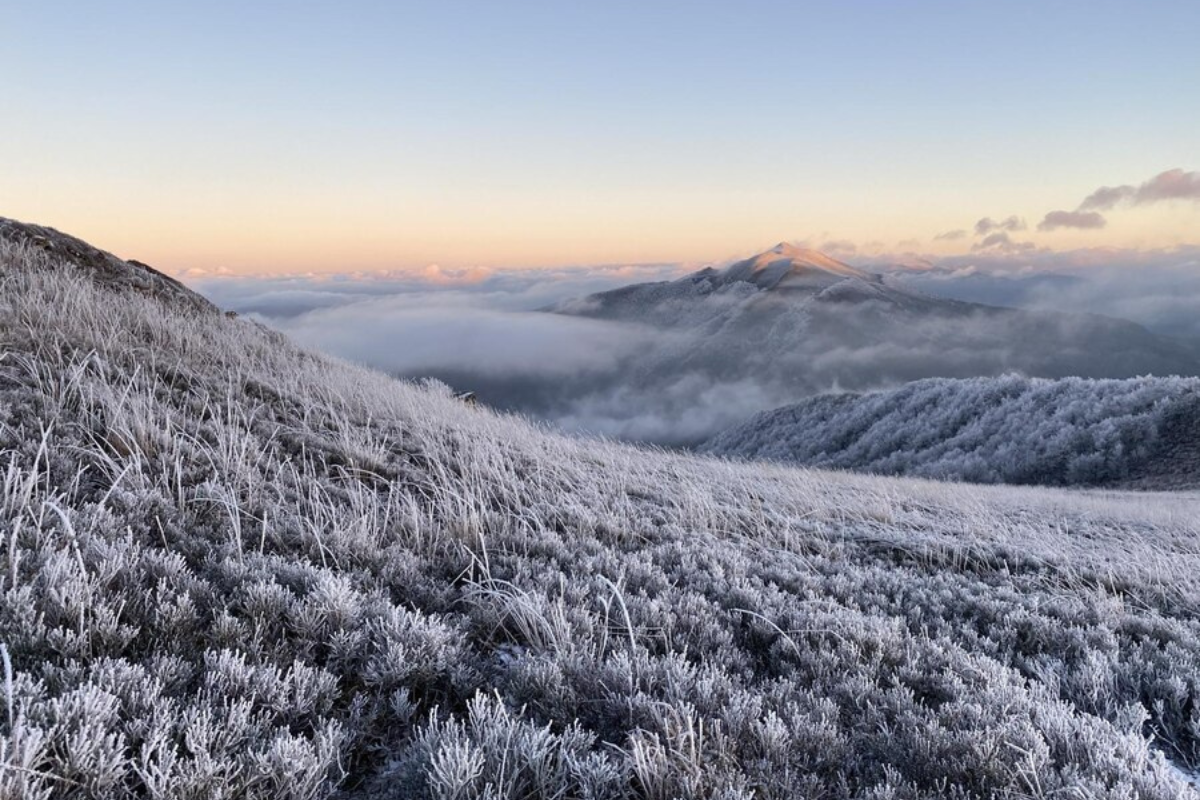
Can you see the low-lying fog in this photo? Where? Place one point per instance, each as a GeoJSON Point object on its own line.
{"type": "Point", "coordinates": [482, 330]}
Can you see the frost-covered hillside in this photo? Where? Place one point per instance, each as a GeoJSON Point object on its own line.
{"type": "Point", "coordinates": [233, 569]}
{"type": "Point", "coordinates": [1141, 431]}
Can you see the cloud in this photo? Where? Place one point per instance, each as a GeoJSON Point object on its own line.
{"type": "Point", "coordinates": [401, 339]}
{"type": "Point", "coordinates": [512, 290]}
{"type": "Point", "coordinates": [687, 409]}
{"type": "Point", "coordinates": [1072, 219]}
{"type": "Point", "coordinates": [839, 247]}
{"type": "Point", "coordinates": [1174, 184]}
{"type": "Point", "coordinates": [950, 236]}
{"type": "Point", "coordinates": [988, 225]}
{"type": "Point", "coordinates": [1106, 197]}
{"type": "Point", "coordinates": [478, 322]}
{"type": "Point", "coordinates": [677, 383]}
{"type": "Point", "coordinates": [1159, 289]}
{"type": "Point", "coordinates": [1001, 242]}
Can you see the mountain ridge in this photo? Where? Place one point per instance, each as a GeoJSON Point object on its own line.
{"type": "Point", "coordinates": [100, 265]}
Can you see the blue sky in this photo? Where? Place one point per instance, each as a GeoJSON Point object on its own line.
{"type": "Point", "coordinates": [275, 136]}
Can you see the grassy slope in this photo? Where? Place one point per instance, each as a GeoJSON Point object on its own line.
{"type": "Point", "coordinates": [229, 568]}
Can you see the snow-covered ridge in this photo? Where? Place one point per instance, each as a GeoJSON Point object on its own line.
{"type": "Point", "coordinates": [994, 430]}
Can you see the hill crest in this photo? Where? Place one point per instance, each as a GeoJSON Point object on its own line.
{"type": "Point", "coordinates": [101, 266]}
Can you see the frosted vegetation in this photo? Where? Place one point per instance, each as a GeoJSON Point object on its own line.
{"type": "Point", "coordinates": [992, 430]}
{"type": "Point", "coordinates": [232, 569]}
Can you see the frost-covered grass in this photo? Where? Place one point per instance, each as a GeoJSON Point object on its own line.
{"type": "Point", "coordinates": [229, 568]}
{"type": "Point", "coordinates": [1070, 431]}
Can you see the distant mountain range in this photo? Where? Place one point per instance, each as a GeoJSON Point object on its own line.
{"type": "Point", "coordinates": [767, 308]}
{"type": "Point", "coordinates": [1160, 295]}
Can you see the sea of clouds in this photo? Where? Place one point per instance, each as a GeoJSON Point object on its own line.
{"type": "Point", "coordinates": [487, 331]}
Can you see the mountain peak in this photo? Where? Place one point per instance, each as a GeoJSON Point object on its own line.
{"type": "Point", "coordinates": [791, 250]}
{"type": "Point", "coordinates": [789, 266]}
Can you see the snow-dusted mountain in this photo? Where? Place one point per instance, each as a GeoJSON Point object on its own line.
{"type": "Point", "coordinates": [790, 323]}
{"type": "Point", "coordinates": [1141, 432]}
{"type": "Point", "coordinates": [783, 272]}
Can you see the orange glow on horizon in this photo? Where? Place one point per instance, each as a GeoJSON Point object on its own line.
{"type": "Point", "coordinates": [300, 235]}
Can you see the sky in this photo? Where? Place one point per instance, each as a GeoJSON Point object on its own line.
{"type": "Point", "coordinates": [272, 138]}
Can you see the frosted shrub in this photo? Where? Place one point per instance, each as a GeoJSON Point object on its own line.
{"type": "Point", "coordinates": [494, 753]}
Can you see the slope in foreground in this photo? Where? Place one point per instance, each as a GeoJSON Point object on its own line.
{"type": "Point", "coordinates": [229, 568]}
